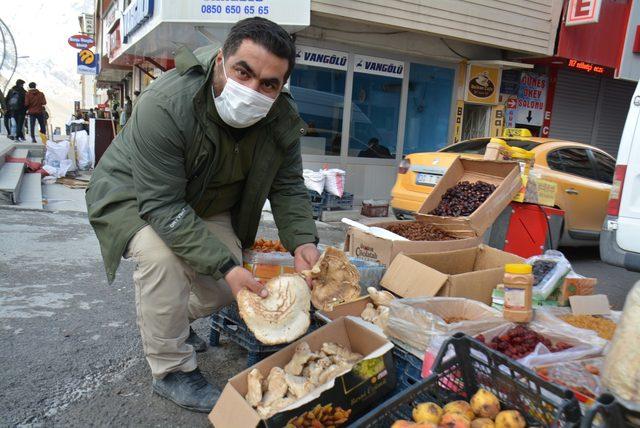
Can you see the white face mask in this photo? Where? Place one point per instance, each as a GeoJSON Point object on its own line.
{"type": "Point", "coordinates": [240, 106]}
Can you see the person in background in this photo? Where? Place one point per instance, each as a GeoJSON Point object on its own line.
{"type": "Point", "coordinates": [136, 94]}
{"type": "Point", "coordinates": [375, 150]}
{"type": "Point", "coordinates": [35, 101]}
{"type": "Point", "coordinates": [16, 107]}
{"type": "Point", "coordinates": [92, 114]}
{"type": "Point", "coordinates": [5, 115]}
{"type": "Point", "coordinates": [126, 111]}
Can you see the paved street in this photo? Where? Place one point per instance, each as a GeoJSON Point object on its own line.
{"type": "Point", "coordinates": [71, 353]}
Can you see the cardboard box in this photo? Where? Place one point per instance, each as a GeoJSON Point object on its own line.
{"type": "Point", "coordinates": [350, 391]}
{"type": "Point", "coordinates": [472, 273]}
{"type": "Point", "coordinates": [367, 246]}
{"type": "Point", "coordinates": [353, 308]}
{"type": "Point", "coordinates": [505, 175]}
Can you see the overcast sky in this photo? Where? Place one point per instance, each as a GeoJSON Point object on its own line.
{"type": "Point", "coordinates": [41, 29]}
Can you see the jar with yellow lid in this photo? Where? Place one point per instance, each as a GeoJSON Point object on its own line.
{"type": "Point", "coordinates": [518, 284]}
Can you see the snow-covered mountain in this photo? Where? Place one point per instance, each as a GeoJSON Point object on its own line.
{"type": "Point", "coordinates": [41, 29]}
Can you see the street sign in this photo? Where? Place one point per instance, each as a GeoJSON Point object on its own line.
{"type": "Point", "coordinates": [88, 63]}
{"type": "Point", "coordinates": [531, 98]}
{"type": "Point", "coordinates": [81, 41]}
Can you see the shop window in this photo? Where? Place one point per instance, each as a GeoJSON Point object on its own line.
{"type": "Point", "coordinates": [319, 94]}
{"type": "Point", "coordinates": [475, 122]}
{"type": "Point", "coordinates": [428, 108]}
{"type": "Point", "coordinates": [374, 116]}
{"type": "Point", "coordinates": [572, 161]}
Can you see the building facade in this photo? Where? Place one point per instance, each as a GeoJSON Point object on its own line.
{"type": "Point", "coordinates": [374, 80]}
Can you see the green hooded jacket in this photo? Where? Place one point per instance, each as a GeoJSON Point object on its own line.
{"type": "Point", "coordinates": [157, 170]}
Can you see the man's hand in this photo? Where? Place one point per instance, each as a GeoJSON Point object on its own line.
{"type": "Point", "coordinates": [305, 257]}
{"type": "Point", "coordinates": [239, 278]}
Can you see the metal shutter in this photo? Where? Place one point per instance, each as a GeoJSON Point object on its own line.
{"type": "Point", "coordinates": [574, 106]}
{"type": "Point", "coordinates": [612, 114]}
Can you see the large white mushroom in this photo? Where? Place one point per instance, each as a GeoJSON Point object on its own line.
{"type": "Point", "coordinates": [283, 316]}
{"type": "Point", "coordinates": [335, 280]}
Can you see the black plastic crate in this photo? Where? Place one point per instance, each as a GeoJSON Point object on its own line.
{"type": "Point", "coordinates": [317, 205]}
{"type": "Point", "coordinates": [608, 412]}
{"type": "Point", "coordinates": [408, 368]}
{"type": "Point", "coordinates": [227, 321]}
{"type": "Point", "coordinates": [476, 366]}
{"type": "Point", "coordinates": [332, 202]}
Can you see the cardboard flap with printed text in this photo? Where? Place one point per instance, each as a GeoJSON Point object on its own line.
{"type": "Point", "coordinates": [504, 175]}
{"type": "Point", "coordinates": [407, 277]}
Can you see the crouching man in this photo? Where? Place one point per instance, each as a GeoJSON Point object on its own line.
{"type": "Point", "coordinates": [181, 188]}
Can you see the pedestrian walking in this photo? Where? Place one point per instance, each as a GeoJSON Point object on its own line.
{"type": "Point", "coordinates": [34, 102]}
{"type": "Point", "coordinates": [181, 193]}
{"type": "Point", "coordinates": [5, 113]}
{"type": "Point", "coordinates": [15, 104]}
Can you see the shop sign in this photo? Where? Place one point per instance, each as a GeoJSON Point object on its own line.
{"type": "Point", "coordinates": [115, 42]}
{"type": "Point", "coordinates": [88, 23]}
{"type": "Point", "coordinates": [589, 67]}
{"type": "Point", "coordinates": [321, 57]}
{"type": "Point", "coordinates": [80, 41]}
{"type": "Point", "coordinates": [88, 62]}
{"type": "Point", "coordinates": [583, 12]}
{"type": "Point", "coordinates": [379, 66]}
{"type": "Point", "coordinates": [136, 14]}
{"type": "Point", "coordinates": [289, 13]}
{"type": "Point", "coordinates": [482, 85]}
{"type": "Point", "coordinates": [510, 111]}
{"type": "Point", "coordinates": [531, 98]}
{"type": "Point", "coordinates": [110, 17]}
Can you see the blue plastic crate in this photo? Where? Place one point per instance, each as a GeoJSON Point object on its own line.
{"type": "Point", "coordinates": [227, 322]}
{"type": "Point", "coordinates": [332, 202]}
{"type": "Point", "coordinates": [408, 368]}
{"type": "Point", "coordinates": [370, 273]}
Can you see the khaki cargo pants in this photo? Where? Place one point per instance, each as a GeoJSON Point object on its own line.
{"type": "Point", "coordinates": [170, 295]}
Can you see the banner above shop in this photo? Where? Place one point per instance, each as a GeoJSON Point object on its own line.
{"type": "Point", "coordinates": [283, 12]}
{"type": "Point", "coordinates": [379, 66]}
{"type": "Point", "coordinates": [482, 85]}
{"type": "Point", "coordinates": [308, 55]}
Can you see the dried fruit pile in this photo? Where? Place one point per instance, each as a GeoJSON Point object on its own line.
{"type": "Point", "coordinates": [419, 231]}
{"type": "Point", "coordinates": [463, 198]}
{"type": "Point", "coordinates": [320, 417]}
{"type": "Point", "coordinates": [267, 246]}
{"type": "Point", "coordinates": [482, 411]}
{"type": "Point", "coordinates": [540, 269]}
{"type": "Point", "coordinates": [520, 341]}
{"type": "Point", "coordinates": [603, 326]}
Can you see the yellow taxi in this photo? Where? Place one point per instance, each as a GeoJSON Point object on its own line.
{"type": "Point", "coordinates": [583, 174]}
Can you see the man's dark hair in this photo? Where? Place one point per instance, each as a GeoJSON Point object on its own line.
{"type": "Point", "coordinates": [265, 33]}
{"type": "Point", "coordinates": [136, 93]}
{"type": "Point", "coordinates": [32, 85]}
{"type": "Point", "coordinates": [19, 82]}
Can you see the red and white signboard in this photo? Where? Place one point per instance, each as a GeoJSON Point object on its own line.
{"type": "Point", "coordinates": [510, 112]}
{"type": "Point", "coordinates": [81, 41]}
{"type": "Point", "coordinates": [583, 12]}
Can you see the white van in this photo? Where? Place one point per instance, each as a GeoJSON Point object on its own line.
{"type": "Point", "coordinates": [620, 237]}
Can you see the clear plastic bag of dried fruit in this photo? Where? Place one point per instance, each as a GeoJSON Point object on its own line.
{"type": "Point", "coordinates": [549, 269]}
{"type": "Point", "coordinates": [563, 341]}
{"type": "Point", "coordinates": [420, 321]}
